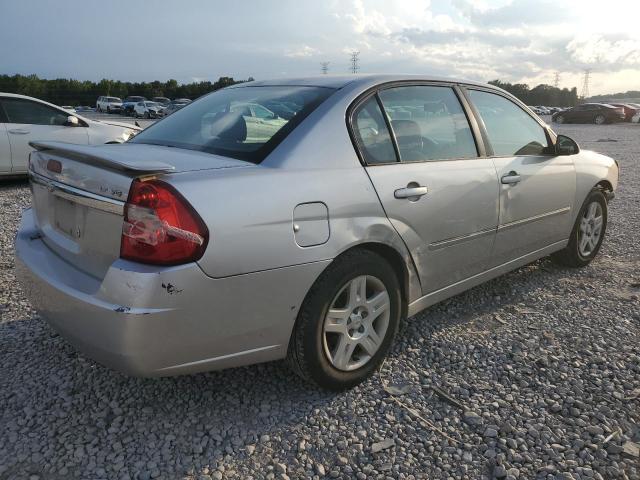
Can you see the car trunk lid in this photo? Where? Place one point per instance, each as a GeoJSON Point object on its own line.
{"type": "Point", "coordinates": [79, 193]}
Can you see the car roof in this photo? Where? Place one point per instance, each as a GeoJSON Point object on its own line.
{"type": "Point", "coordinates": [340, 81]}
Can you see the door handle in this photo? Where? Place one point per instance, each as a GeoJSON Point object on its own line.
{"type": "Point", "coordinates": [511, 178]}
{"type": "Point", "coordinates": [19, 131]}
{"type": "Point", "coordinates": [412, 193]}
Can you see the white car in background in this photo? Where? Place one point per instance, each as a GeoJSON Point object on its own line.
{"type": "Point", "coordinates": [109, 104]}
{"type": "Point", "coordinates": [148, 109]}
{"type": "Point", "coordinates": [25, 119]}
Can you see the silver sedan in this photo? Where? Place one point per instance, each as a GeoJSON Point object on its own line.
{"type": "Point", "coordinates": [300, 219]}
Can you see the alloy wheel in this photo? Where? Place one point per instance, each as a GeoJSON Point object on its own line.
{"type": "Point", "coordinates": [590, 229]}
{"type": "Point", "coordinates": [356, 323]}
{"type": "Point", "coordinates": [600, 119]}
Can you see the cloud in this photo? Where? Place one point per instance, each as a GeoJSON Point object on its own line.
{"type": "Point", "coordinates": [301, 52]}
{"type": "Point", "coordinates": [600, 50]}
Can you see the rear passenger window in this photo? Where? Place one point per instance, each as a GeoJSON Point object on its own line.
{"type": "Point", "coordinates": [372, 134]}
{"type": "Point", "coordinates": [511, 130]}
{"type": "Point", "coordinates": [429, 123]}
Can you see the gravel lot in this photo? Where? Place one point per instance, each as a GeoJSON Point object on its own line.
{"type": "Point", "coordinates": [545, 362]}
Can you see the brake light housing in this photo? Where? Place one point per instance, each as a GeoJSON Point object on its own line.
{"type": "Point", "coordinates": [160, 226]}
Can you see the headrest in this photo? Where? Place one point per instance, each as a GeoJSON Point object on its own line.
{"type": "Point", "coordinates": [408, 134]}
{"type": "Point", "coordinates": [229, 126]}
{"type": "Point", "coordinates": [406, 128]}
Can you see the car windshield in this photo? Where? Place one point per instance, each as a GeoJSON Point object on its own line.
{"type": "Point", "coordinates": [235, 122]}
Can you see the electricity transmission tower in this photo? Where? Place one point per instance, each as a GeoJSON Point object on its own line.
{"type": "Point", "coordinates": [556, 79]}
{"type": "Point", "coordinates": [585, 84]}
{"type": "Point", "coordinates": [355, 61]}
{"type": "Point", "coordinates": [325, 67]}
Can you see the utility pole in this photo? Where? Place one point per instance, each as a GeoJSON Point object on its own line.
{"type": "Point", "coordinates": [585, 84]}
{"type": "Point", "coordinates": [355, 61]}
{"type": "Point", "coordinates": [325, 67]}
{"type": "Point", "coordinates": [556, 79]}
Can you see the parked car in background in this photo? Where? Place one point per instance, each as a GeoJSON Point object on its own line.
{"type": "Point", "coordinates": [629, 110]}
{"type": "Point", "coordinates": [209, 242]}
{"type": "Point", "coordinates": [597, 113]}
{"type": "Point", "coordinates": [25, 119]}
{"type": "Point", "coordinates": [636, 117]}
{"type": "Point", "coordinates": [164, 101]}
{"type": "Point", "coordinates": [148, 109]}
{"type": "Point", "coordinates": [173, 107]}
{"type": "Point", "coordinates": [109, 104]}
{"type": "Point", "coordinates": [181, 100]}
{"type": "Point", "coordinates": [129, 103]}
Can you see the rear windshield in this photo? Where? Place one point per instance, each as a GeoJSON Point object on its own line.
{"type": "Point", "coordinates": [244, 123]}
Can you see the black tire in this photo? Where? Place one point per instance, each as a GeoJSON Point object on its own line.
{"type": "Point", "coordinates": [306, 354]}
{"type": "Point", "coordinates": [571, 256]}
{"type": "Point", "coordinates": [599, 120]}
{"type": "Point", "coordinates": [109, 110]}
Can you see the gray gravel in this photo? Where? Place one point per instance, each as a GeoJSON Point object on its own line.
{"type": "Point", "coordinates": [543, 361]}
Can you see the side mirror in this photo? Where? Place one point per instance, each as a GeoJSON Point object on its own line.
{"type": "Point", "coordinates": [72, 121]}
{"type": "Point", "coordinates": [566, 146]}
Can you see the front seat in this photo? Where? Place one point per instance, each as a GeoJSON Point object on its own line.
{"type": "Point", "coordinates": [230, 127]}
{"type": "Point", "coordinates": [409, 138]}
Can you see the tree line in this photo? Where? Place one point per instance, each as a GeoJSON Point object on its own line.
{"type": "Point", "coordinates": [621, 95]}
{"type": "Point", "coordinates": [63, 91]}
{"type": "Point", "coordinates": [546, 95]}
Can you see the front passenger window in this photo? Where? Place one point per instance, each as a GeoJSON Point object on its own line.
{"type": "Point", "coordinates": [511, 130]}
{"type": "Point", "coordinates": [33, 113]}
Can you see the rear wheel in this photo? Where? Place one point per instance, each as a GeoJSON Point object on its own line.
{"type": "Point", "coordinates": [108, 109]}
{"type": "Point", "coordinates": [599, 120]}
{"type": "Point", "coordinates": [587, 234]}
{"type": "Point", "coordinates": [347, 322]}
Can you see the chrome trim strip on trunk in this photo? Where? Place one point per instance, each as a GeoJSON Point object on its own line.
{"type": "Point", "coordinates": [81, 197]}
{"type": "Point", "coordinates": [535, 218]}
{"type": "Point", "coordinates": [449, 242]}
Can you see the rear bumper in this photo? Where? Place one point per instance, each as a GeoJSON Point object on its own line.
{"type": "Point", "coordinates": [153, 321]}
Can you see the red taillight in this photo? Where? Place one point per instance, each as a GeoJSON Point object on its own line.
{"type": "Point", "coordinates": [160, 227]}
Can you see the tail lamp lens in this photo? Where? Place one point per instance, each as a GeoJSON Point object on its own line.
{"type": "Point", "coordinates": [160, 227]}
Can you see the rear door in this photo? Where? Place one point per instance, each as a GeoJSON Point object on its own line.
{"type": "Point", "coordinates": [29, 121]}
{"type": "Point", "coordinates": [537, 188]}
{"type": "Point", "coordinates": [441, 197]}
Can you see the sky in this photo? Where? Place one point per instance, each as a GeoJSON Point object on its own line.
{"type": "Point", "coordinates": [190, 40]}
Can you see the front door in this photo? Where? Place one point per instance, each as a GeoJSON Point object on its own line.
{"type": "Point", "coordinates": [440, 197]}
{"type": "Point", "coordinates": [537, 188]}
{"type": "Point", "coordinates": [29, 121]}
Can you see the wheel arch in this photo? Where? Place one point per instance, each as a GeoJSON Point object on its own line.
{"type": "Point", "coordinates": [396, 260]}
